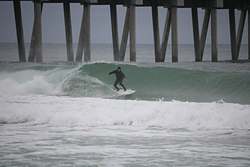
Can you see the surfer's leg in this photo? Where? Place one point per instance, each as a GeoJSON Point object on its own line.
{"type": "Point", "coordinates": [123, 86]}
{"type": "Point", "coordinates": [115, 85]}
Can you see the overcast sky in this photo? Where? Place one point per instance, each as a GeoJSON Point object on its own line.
{"type": "Point", "coordinates": [53, 24]}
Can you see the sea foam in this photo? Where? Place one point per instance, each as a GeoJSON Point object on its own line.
{"type": "Point", "coordinates": [107, 112]}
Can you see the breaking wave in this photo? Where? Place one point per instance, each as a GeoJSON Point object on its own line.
{"type": "Point", "coordinates": [150, 83]}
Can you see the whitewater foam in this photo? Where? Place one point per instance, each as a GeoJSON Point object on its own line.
{"type": "Point", "coordinates": [107, 112]}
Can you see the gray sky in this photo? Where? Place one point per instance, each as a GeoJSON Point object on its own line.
{"type": "Point", "coordinates": [53, 24]}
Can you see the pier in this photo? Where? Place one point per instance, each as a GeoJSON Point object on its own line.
{"type": "Point", "coordinates": [83, 52]}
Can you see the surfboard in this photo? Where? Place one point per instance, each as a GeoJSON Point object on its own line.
{"type": "Point", "coordinates": [125, 93]}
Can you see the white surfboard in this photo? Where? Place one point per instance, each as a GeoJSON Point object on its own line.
{"type": "Point", "coordinates": [121, 92]}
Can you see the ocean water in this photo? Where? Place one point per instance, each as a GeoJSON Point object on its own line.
{"type": "Point", "coordinates": [185, 114]}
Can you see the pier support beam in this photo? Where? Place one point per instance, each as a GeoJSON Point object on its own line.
{"type": "Point", "coordinates": [19, 30]}
{"type": "Point", "coordinates": [236, 38]}
{"type": "Point", "coordinates": [204, 31]}
{"type": "Point", "coordinates": [240, 31]}
{"type": "Point", "coordinates": [214, 39]}
{"type": "Point", "coordinates": [166, 35]}
{"type": "Point", "coordinates": [68, 31]}
{"type": "Point", "coordinates": [248, 11]}
{"type": "Point", "coordinates": [248, 20]}
{"type": "Point", "coordinates": [125, 33]}
{"type": "Point", "coordinates": [196, 34]}
{"type": "Point", "coordinates": [132, 29]}
{"type": "Point", "coordinates": [115, 37]}
{"type": "Point", "coordinates": [160, 47]}
{"type": "Point", "coordinates": [200, 40]}
{"type": "Point", "coordinates": [158, 55]}
{"type": "Point", "coordinates": [35, 53]}
{"type": "Point", "coordinates": [129, 29]}
{"type": "Point", "coordinates": [87, 56]}
{"type": "Point", "coordinates": [174, 35]}
{"type": "Point", "coordinates": [84, 37]}
{"type": "Point", "coordinates": [81, 40]}
{"type": "Point", "coordinates": [233, 34]}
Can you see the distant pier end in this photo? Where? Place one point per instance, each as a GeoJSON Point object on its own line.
{"type": "Point", "coordinates": [129, 30]}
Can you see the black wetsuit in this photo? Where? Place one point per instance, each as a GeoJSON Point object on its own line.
{"type": "Point", "coordinates": [119, 78]}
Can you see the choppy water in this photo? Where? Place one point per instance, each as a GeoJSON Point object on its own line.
{"type": "Point", "coordinates": [187, 114]}
{"type": "Point", "coordinates": [64, 131]}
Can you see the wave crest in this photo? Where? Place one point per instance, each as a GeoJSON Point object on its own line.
{"type": "Point", "coordinates": [150, 83]}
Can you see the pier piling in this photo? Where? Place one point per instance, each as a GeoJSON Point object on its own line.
{"type": "Point", "coordinates": [236, 38]}
{"type": "Point", "coordinates": [68, 31]}
{"type": "Point", "coordinates": [165, 35]}
{"type": "Point", "coordinates": [196, 34]}
{"type": "Point", "coordinates": [114, 27]}
{"type": "Point", "coordinates": [87, 52]}
{"type": "Point", "coordinates": [240, 31]}
{"type": "Point", "coordinates": [129, 28]}
{"type": "Point", "coordinates": [84, 37]}
{"type": "Point", "coordinates": [174, 35]}
{"type": "Point", "coordinates": [158, 55]}
{"type": "Point", "coordinates": [35, 53]}
{"type": "Point", "coordinates": [125, 33]}
{"type": "Point", "coordinates": [132, 30]}
{"type": "Point", "coordinates": [233, 34]}
{"type": "Point", "coordinates": [31, 57]}
{"type": "Point", "coordinates": [80, 45]}
{"type": "Point", "coordinates": [248, 11]}
{"type": "Point", "coordinates": [19, 30]}
{"type": "Point", "coordinates": [204, 31]}
{"type": "Point", "coordinates": [214, 40]}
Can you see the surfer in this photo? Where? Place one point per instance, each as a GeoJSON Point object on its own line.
{"type": "Point", "coordinates": [119, 78]}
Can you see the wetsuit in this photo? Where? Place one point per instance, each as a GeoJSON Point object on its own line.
{"type": "Point", "coordinates": [119, 78]}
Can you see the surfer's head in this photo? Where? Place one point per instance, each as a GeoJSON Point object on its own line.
{"type": "Point", "coordinates": [119, 68]}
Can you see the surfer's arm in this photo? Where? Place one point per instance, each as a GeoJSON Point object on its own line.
{"type": "Point", "coordinates": [112, 72]}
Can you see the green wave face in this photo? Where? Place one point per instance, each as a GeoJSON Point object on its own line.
{"type": "Point", "coordinates": [154, 83]}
